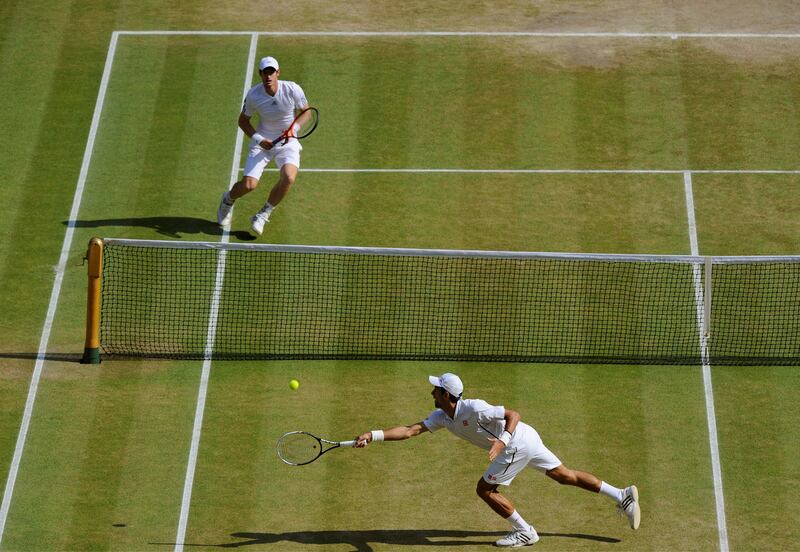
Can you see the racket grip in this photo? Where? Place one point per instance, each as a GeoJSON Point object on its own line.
{"type": "Point", "coordinates": [347, 443]}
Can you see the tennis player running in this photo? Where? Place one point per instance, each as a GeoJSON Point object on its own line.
{"type": "Point", "coordinates": [512, 445]}
{"type": "Point", "coordinates": [276, 103]}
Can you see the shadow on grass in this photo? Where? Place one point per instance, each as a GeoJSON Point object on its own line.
{"type": "Point", "coordinates": [63, 357]}
{"type": "Point", "coordinates": [173, 227]}
{"type": "Point", "coordinates": [361, 540]}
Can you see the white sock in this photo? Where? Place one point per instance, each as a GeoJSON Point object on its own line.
{"type": "Point", "coordinates": [518, 523]}
{"type": "Point", "coordinates": [227, 198]}
{"type": "Point", "coordinates": [611, 492]}
{"type": "Point", "coordinates": [267, 208]}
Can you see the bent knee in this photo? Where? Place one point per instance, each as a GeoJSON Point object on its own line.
{"type": "Point", "coordinates": [484, 489]}
{"type": "Point", "coordinates": [250, 183]}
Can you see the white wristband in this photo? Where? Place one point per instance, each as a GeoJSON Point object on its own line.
{"type": "Point", "coordinates": [377, 435]}
{"type": "Point", "coordinates": [258, 138]}
{"type": "Point", "coordinates": [505, 437]}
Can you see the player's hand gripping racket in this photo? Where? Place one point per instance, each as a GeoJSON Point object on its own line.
{"type": "Point", "coordinates": [303, 125]}
{"type": "Point", "coordinates": [298, 448]}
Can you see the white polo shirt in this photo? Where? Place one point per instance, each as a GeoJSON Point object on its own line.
{"type": "Point", "coordinates": [275, 113]}
{"type": "Point", "coordinates": [477, 421]}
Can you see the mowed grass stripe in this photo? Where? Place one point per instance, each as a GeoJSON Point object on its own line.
{"type": "Point", "coordinates": [581, 213]}
{"type": "Point", "coordinates": [768, 115]}
{"type": "Point", "coordinates": [674, 445]}
{"type": "Point", "coordinates": [758, 422]}
{"type": "Point", "coordinates": [172, 111]}
{"type": "Point", "coordinates": [742, 214]}
{"type": "Point", "coordinates": [14, 383]}
{"type": "Point", "coordinates": [233, 451]}
{"type": "Point", "coordinates": [726, 102]}
{"type": "Point", "coordinates": [600, 104]}
{"type": "Point", "coordinates": [655, 111]}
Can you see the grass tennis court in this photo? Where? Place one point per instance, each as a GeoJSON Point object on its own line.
{"type": "Point", "coordinates": [427, 142]}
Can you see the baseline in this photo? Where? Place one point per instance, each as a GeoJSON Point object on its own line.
{"type": "Point", "coordinates": [537, 34]}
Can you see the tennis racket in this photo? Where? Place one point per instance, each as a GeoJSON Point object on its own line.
{"type": "Point", "coordinates": [298, 448]}
{"type": "Point", "coordinates": [303, 125]}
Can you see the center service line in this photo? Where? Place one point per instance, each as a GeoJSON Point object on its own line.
{"type": "Point", "coordinates": [212, 328]}
{"type": "Point", "coordinates": [713, 441]}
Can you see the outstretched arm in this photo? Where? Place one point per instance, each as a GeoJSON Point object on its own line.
{"type": "Point", "coordinates": [398, 433]}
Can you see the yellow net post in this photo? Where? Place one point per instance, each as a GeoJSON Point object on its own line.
{"type": "Point", "coordinates": [91, 350]}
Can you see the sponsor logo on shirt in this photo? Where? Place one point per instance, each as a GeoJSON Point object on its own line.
{"type": "Point", "coordinates": [465, 422]}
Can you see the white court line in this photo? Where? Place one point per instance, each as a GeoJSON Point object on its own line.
{"type": "Point", "coordinates": [547, 171]}
{"type": "Point", "coordinates": [711, 418]}
{"type": "Point", "coordinates": [537, 34]}
{"type": "Point", "coordinates": [51, 308]}
{"type": "Point", "coordinates": [212, 329]}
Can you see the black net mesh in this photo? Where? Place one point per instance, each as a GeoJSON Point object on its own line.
{"type": "Point", "coordinates": [163, 302]}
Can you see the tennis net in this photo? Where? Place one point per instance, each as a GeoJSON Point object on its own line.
{"type": "Point", "coordinates": [240, 301]}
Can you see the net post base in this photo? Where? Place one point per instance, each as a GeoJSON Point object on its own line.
{"type": "Point", "coordinates": [91, 356]}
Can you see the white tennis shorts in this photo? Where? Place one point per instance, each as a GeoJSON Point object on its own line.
{"type": "Point", "coordinates": [526, 451]}
{"type": "Point", "coordinates": [258, 158]}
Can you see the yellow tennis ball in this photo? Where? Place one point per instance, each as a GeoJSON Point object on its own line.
{"type": "Point", "coordinates": [294, 384]}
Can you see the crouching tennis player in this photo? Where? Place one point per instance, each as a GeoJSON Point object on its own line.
{"type": "Point", "coordinates": [512, 445]}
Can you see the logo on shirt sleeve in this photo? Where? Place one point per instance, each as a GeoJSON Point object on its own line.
{"type": "Point", "coordinates": [465, 422]}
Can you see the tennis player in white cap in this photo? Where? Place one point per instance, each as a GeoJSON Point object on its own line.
{"type": "Point", "coordinates": [276, 102]}
{"type": "Point", "coordinates": [512, 444]}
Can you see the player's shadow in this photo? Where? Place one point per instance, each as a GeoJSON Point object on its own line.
{"type": "Point", "coordinates": [360, 540]}
{"type": "Point", "coordinates": [173, 227]}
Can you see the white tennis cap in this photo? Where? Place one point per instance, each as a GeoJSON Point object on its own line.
{"type": "Point", "coordinates": [268, 62]}
{"type": "Point", "coordinates": [449, 382]}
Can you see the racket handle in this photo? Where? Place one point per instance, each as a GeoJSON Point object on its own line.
{"type": "Point", "coordinates": [347, 443]}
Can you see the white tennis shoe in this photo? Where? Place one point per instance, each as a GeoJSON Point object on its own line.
{"type": "Point", "coordinates": [517, 539]}
{"type": "Point", "coordinates": [630, 506]}
{"type": "Point", "coordinates": [258, 221]}
{"type": "Point", "coordinates": [224, 213]}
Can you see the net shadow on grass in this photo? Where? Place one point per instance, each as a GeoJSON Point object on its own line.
{"type": "Point", "coordinates": [172, 227]}
{"type": "Point", "coordinates": [61, 357]}
{"type": "Point", "coordinates": [362, 540]}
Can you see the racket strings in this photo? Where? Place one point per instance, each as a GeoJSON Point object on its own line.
{"type": "Point", "coordinates": [308, 122]}
{"type": "Point", "coordinates": [298, 448]}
